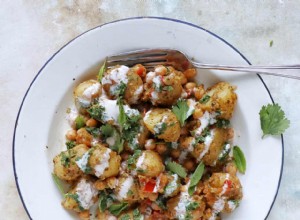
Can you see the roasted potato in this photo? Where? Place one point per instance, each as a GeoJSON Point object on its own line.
{"type": "Point", "coordinates": [182, 206]}
{"type": "Point", "coordinates": [163, 86]}
{"type": "Point", "coordinates": [222, 185]}
{"type": "Point", "coordinates": [163, 123]}
{"type": "Point", "coordinates": [65, 167]}
{"type": "Point", "coordinates": [81, 197]}
{"type": "Point", "coordinates": [209, 151]}
{"type": "Point", "coordinates": [85, 93]}
{"type": "Point", "coordinates": [122, 78]}
{"type": "Point", "coordinates": [149, 164]}
{"type": "Point", "coordinates": [220, 97]}
{"type": "Point", "coordinates": [104, 162]}
{"type": "Point", "coordinates": [126, 189]}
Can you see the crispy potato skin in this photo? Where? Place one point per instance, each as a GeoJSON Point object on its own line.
{"type": "Point", "coordinates": [152, 164]}
{"type": "Point", "coordinates": [81, 101]}
{"type": "Point", "coordinates": [72, 171]}
{"type": "Point", "coordinates": [132, 197]}
{"type": "Point", "coordinates": [222, 98]}
{"type": "Point", "coordinates": [114, 161]}
{"type": "Point", "coordinates": [161, 115]}
{"type": "Point", "coordinates": [215, 148]}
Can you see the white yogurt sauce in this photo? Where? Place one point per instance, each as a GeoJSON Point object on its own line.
{"type": "Point", "coordinates": [150, 76]}
{"type": "Point", "coordinates": [137, 94]}
{"type": "Point", "coordinates": [86, 192]}
{"type": "Point", "coordinates": [71, 116]}
{"type": "Point", "coordinates": [157, 83]}
{"type": "Point", "coordinates": [140, 161]}
{"type": "Point", "coordinates": [157, 183]}
{"type": "Point", "coordinates": [205, 120]}
{"type": "Point", "coordinates": [83, 161]}
{"type": "Point", "coordinates": [191, 103]}
{"type": "Point", "coordinates": [111, 109]}
{"type": "Point", "coordinates": [180, 209]}
{"type": "Point", "coordinates": [232, 205]}
{"type": "Point", "coordinates": [104, 163]}
{"type": "Point", "coordinates": [90, 91]}
{"type": "Point", "coordinates": [125, 187]}
{"type": "Point", "coordinates": [207, 142]}
{"type": "Point", "coordinates": [117, 76]}
{"type": "Point", "coordinates": [130, 111]}
{"type": "Point", "coordinates": [172, 186]}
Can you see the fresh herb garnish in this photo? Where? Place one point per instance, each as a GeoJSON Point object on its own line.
{"type": "Point", "coordinates": [58, 183]}
{"type": "Point", "coordinates": [65, 159]}
{"type": "Point", "coordinates": [119, 89]}
{"type": "Point", "coordinates": [105, 200]}
{"type": "Point", "coordinates": [94, 131]}
{"type": "Point", "coordinates": [79, 122]}
{"type": "Point", "coordinates": [161, 202]}
{"type": "Point", "coordinates": [271, 43]}
{"type": "Point", "coordinates": [110, 131]}
{"type": "Point", "coordinates": [133, 158]}
{"type": "Point", "coordinates": [137, 215]}
{"type": "Point", "coordinates": [223, 123]}
{"type": "Point", "coordinates": [224, 153]}
{"type": "Point", "coordinates": [192, 206]}
{"type": "Point", "coordinates": [176, 168]}
{"type": "Point", "coordinates": [117, 208]}
{"type": "Point", "coordinates": [125, 217]}
{"type": "Point", "coordinates": [102, 71]}
{"type": "Point", "coordinates": [196, 177]}
{"type": "Point", "coordinates": [70, 144]}
{"type": "Point", "coordinates": [239, 159]}
{"type": "Point", "coordinates": [204, 134]}
{"type": "Point", "coordinates": [181, 110]}
{"type": "Point", "coordinates": [107, 130]}
{"type": "Point", "coordinates": [97, 112]}
{"type": "Point", "coordinates": [160, 128]}
{"type": "Point", "coordinates": [273, 120]}
{"type": "Point", "coordinates": [167, 88]}
{"type": "Point", "coordinates": [204, 99]}
{"type": "Point", "coordinates": [75, 197]}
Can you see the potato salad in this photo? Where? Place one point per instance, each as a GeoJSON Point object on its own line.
{"type": "Point", "coordinates": [149, 144]}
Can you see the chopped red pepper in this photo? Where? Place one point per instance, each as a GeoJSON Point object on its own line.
{"type": "Point", "coordinates": [228, 182]}
{"type": "Point", "coordinates": [149, 186]}
{"type": "Point", "coordinates": [140, 71]}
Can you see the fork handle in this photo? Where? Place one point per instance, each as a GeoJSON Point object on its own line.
{"type": "Point", "coordinates": [267, 70]}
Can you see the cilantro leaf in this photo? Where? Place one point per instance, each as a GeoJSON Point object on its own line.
{"type": "Point", "coordinates": [93, 131]}
{"type": "Point", "coordinates": [196, 177]}
{"type": "Point", "coordinates": [70, 144]}
{"type": "Point", "coordinates": [273, 120]}
{"type": "Point", "coordinates": [119, 90]}
{"type": "Point", "coordinates": [75, 197]}
{"type": "Point", "coordinates": [181, 110]}
{"type": "Point", "coordinates": [117, 208]}
{"type": "Point", "coordinates": [107, 130]}
{"type": "Point", "coordinates": [192, 206]}
{"type": "Point", "coordinates": [58, 183]}
{"type": "Point", "coordinates": [204, 99]}
{"type": "Point", "coordinates": [101, 71]}
{"type": "Point", "coordinates": [105, 200]}
{"type": "Point", "coordinates": [176, 168]}
{"type": "Point", "coordinates": [97, 112]}
{"type": "Point", "coordinates": [239, 159]}
{"type": "Point", "coordinates": [223, 123]}
{"type": "Point", "coordinates": [79, 122]}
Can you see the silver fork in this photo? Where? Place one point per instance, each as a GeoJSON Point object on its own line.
{"type": "Point", "coordinates": [152, 57]}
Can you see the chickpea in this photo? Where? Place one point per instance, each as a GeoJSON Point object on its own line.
{"type": "Point", "coordinates": [175, 153]}
{"type": "Point", "coordinates": [189, 165]}
{"type": "Point", "coordinates": [100, 185]}
{"type": "Point", "coordinates": [190, 85]}
{"type": "Point", "coordinates": [199, 92]}
{"type": "Point", "coordinates": [183, 80]}
{"type": "Point", "coordinates": [91, 122]}
{"type": "Point", "coordinates": [71, 135]}
{"type": "Point", "coordinates": [231, 169]}
{"type": "Point", "coordinates": [161, 70]}
{"type": "Point", "coordinates": [190, 73]}
{"type": "Point", "coordinates": [150, 144]}
{"type": "Point", "coordinates": [161, 148]}
{"type": "Point", "coordinates": [186, 142]}
{"type": "Point", "coordinates": [198, 113]}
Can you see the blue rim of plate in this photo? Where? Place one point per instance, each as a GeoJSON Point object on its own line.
{"type": "Point", "coordinates": [120, 20]}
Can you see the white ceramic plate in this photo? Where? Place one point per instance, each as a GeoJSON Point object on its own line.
{"type": "Point", "coordinates": [41, 123]}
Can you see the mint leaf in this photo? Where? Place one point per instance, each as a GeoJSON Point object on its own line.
{"type": "Point", "coordinates": [176, 168]}
{"type": "Point", "coordinates": [196, 177]}
{"type": "Point", "coordinates": [117, 208]}
{"type": "Point", "coordinates": [239, 159]}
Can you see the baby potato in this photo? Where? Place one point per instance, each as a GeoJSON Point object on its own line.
{"type": "Point", "coordinates": [85, 93]}
{"type": "Point", "coordinates": [81, 197]}
{"type": "Point", "coordinates": [222, 184]}
{"type": "Point", "coordinates": [104, 162]}
{"type": "Point", "coordinates": [149, 164]}
{"type": "Point", "coordinates": [173, 186]}
{"type": "Point", "coordinates": [120, 78]}
{"type": "Point", "coordinates": [210, 151]}
{"type": "Point", "coordinates": [65, 167]}
{"type": "Point", "coordinates": [127, 189]}
{"type": "Point", "coordinates": [221, 98]}
{"type": "Point", "coordinates": [177, 207]}
{"type": "Point", "coordinates": [165, 90]}
{"type": "Point", "coordinates": [163, 123]}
